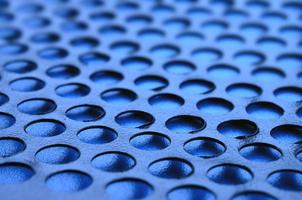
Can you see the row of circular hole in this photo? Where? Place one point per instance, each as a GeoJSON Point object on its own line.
{"type": "Point", "coordinates": [240, 128]}
{"type": "Point", "coordinates": [138, 63]}
{"type": "Point", "coordinates": [174, 168]}
{"type": "Point", "coordinates": [194, 86]}
{"type": "Point", "coordinates": [194, 10]}
{"type": "Point", "coordinates": [202, 147]}
{"type": "Point", "coordinates": [213, 106]}
{"type": "Point", "coordinates": [31, 8]}
{"type": "Point", "coordinates": [64, 71]}
{"type": "Point", "coordinates": [126, 47]}
{"type": "Point", "coordinates": [109, 77]}
{"type": "Point", "coordinates": [249, 29]}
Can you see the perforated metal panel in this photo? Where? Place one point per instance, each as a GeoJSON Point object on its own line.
{"type": "Point", "coordinates": [146, 99]}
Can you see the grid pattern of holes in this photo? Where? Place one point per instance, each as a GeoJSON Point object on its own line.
{"type": "Point", "coordinates": [138, 86]}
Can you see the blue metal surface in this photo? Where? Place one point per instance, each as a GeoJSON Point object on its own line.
{"type": "Point", "coordinates": [150, 99]}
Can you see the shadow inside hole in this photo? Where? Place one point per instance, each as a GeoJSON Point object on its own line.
{"type": "Point", "coordinates": [135, 119]}
{"type": "Point", "coordinates": [239, 129]}
{"type": "Point", "coordinates": [185, 124]}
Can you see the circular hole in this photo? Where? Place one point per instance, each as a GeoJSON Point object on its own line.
{"type": "Point", "coordinates": [252, 30]}
{"type": "Point", "coordinates": [239, 129]}
{"type": "Point", "coordinates": [151, 35]}
{"type": "Point", "coordinates": [67, 13]}
{"type": "Point", "coordinates": [230, 174]}
{"type": "Point", "coordinates": [214, 27]}
{"type": "Point", "coordinates": [274, 18]}
{"type": "Point", "coordinates": [176, 24]}
{"type": "Point", "coordinates": [221, 4]}
{"type": "Point", "coordinates": [286, 180]}
{"type": "Point", "coordinates": [3, 99]}
{"type": "Point", "coordinates": [292, 33]}
{"type": "Point", "coordinates": [85, 113]}
{"type": "Point", "coordinates": [45, 37]}
{"type": "Point", "coordinates": [162, 10]}
{"type": "Point", "coordinates": [57, 154]}
{"type": "Point", "coordinates": [191, 192]}
{"type": "Point", "coordinates": [287, 133]}
{"type": "Point", "coordinates": [289, 93]}
{"type": "Point", "coordinates": [155, 83]}
{"type": "Point", "coordinates": [68, 181]}
{"type": "Point", "coordinates": [250, 195]}
{"type": "Point", "coordinates": [260, 152]}
{"type": "Point", "coordinates": [189, 38]}
{"type": "Point", "coordinates": [106, 77]}
{"type": "Point", "coordinates": [164, 51]}
{"type": "Point", "coordinates": [290, 61]}
{"type": "Point", "coordinates": [179, 67]}
{"type": "Point", "coordinates": [198, 13]}
{"type": "Point", "coordinates": [271, 44]}
{"type": "Point", "coordinates": [136, 63]}
{"type": "Point", "coordinates": [135, 119]}
{"type": "Point", "coordinates": [206, 55]}
{"type": "Point", "coordinates": [248, 58]}
{"type": "Point", "coordinates": [122, 48]}
{"type": "Point", "coordinates": [72, 90]}
{"type": "Point", "coordinates": [197, 86]}
{"type": "Point", "coordinates": [223, 71]}
{"type": "Point", "coordinates": [102, 17]}
{"type": "Point", "coordinates": [9, 33]}
{"type": "Point", "coordinates": [129, 189]}
{"type": "Point", "coordinates": [37, 22]}
{"type": "Point", "coordinates": [73, 26]}
{"type": "Point", "coordinates": [11, 146]}
{"type": "Point", "coordinates": [264, 110]}
{"type": "Point", "coordinates": [185, 124]}
{"type": "Point", "coordinates": [93, 59]}
{"type": "Point", "coordinates": [84, 42]}
{"type": "Point", "coordinates": [15, 173]}
{"type": "Point", "coordinates": [30, 8]}
{"type": "Point", "coordinates": [171, 168]}
{"type": "Point", "coordinates": [230, 41]}
{"type": "Point", "coordinates": [20, 66]}
{"type": "Point", "coordinates": [113, 162]}
{"type": "Point", "coordinates": [37, 106]}
{"type": "Point", "coordinates": [6, 120]}
{"type": "Point", "coordinates": [267, 74]}
{"type": "Point", "coordinates": [97, 135]}
{"type": "Point", "coordinates": [244, 90]}
{"type": "Point", "coordinates": [292, 7]}
{"type": "Point", "coordinates": [118, 96]}
{"type": "Point", "coordinates": [45, 128]}
{"type": "Point", "coordinates": [215, 106]}
{"type": "Point", "coordinates": [150, 141]}
{"type": "Point", "coordinates": [204, 147]}
{"type": "Point", "coordinates": [63, 71]}
{"type": "Point", "coordinates": [166, 101]}
{"type": "Point", "coordinates": [92, 3]}
{"type": "Point", "coordinates": [53, 53]}
{"type": "Point", "coordinates": [139, 21]}
{"type": "Point", "coordinates": [236, 16]}
{"type": "Point", "coordinates": [28, 84]}
{"type": "Point", "coordinates": [257, 5]}
{"type": "Point", "coordinates": [127, 7]}
{"type": "Point", "coordinates": [12, 49]}
{"type": "Point", "coordinates": [112, 32]}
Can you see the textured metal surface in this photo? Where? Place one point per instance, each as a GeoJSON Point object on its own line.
{"type": "Point", "coordinates": [146, 99]}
